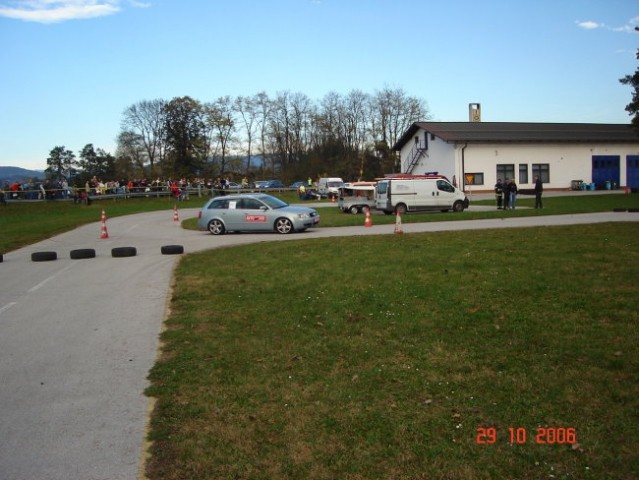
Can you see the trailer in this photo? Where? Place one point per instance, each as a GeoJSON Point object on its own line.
{"type": "Point", "coordinates": [356, 197]}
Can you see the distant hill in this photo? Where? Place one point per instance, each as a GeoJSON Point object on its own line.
{"type": "Point", "coordinates": [17, 174]}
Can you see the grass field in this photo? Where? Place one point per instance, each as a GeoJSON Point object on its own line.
{"type": "Point", "coordinates": [434, 356]}
{"type": "Point", "coordinates": [384, 357]}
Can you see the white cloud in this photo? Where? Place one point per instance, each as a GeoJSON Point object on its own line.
{"type": "Point", "coordinates": [52, 11]}
{"type": "Point", "coordinates": [589, 25]}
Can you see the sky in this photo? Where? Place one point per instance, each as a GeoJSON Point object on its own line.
{"type": "Point", "coordinates": [69, 68]}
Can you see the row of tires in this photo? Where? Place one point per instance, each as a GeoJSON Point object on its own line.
{"type": "Point", "coordinates": [118, 252]}
{"type": "Point", "coordinates": [631, 210]}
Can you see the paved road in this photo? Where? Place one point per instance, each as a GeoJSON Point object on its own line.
{"type": "Point", "coordinates": [78, 337]}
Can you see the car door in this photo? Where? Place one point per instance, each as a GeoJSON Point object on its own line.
{"type": "Point", "coordinates": [445, 194]}
{"type": "Point", "coordinates": [252, 215]}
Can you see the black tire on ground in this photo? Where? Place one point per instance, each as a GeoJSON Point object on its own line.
{"type": "Point", "coordinates": [44, 256]}
{"type": "Point", "coordinates": [120, 252]}
{"type": "Point", "coordinates": [172, 249]}
{"type": "Point", "coordinates": [619, 209]}
{"type": "Point", "coordinates": [82, 253]}
{"type": "Point", "coordinates": [633, 210]}
{"type": "Point", "coordinates": [1, 260]}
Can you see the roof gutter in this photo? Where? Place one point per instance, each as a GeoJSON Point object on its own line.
{"type": "Point", "coordinates": [463, 168]}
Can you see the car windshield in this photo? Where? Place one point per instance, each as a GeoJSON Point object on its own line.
{"type": "Point", "coordinates": [273, 202]}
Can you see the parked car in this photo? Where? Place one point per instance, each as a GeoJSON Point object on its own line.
{"type": "Point", "coordinates": [274, 184]}
{"type": "Point", "coordinates": [233, 185]}
{"type": "Point", "coordinates": [254, 212]}
{"type": "Point", "coordinates": [259, 184]}
{"type": "Point", "coordinates": [297, 184]}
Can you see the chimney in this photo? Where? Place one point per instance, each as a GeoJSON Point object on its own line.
{"type": "Point", "coordinates": [474, 112]}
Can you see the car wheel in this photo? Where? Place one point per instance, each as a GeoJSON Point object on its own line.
{"type": "Point", "coordinates": [172, 249]}
{"type": "Point", "coordinates": [400, 208]}
{"type": "Point", "coordinates": [458, 206]}
{"type": "Point", "coordinates": [283, 225]}
{"type": "Point", "coordinates": [82, 253]}
{"type": "Point", "coordinates": [216, 227]}
{"type": "Point", "coordinates": [354, 210]}
{"type": "Point", "coordinates": [121, 252]}
{"type": "Point", "coordinates": [43, 256]}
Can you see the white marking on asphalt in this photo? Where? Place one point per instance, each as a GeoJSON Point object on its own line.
{"type": "Point", "coordinates": [48, 279]}
{"type": "Point", "coordinates": [6, 307]}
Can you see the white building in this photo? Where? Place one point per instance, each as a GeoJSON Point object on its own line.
{"type": "Point", "coordinates": [560, 153]}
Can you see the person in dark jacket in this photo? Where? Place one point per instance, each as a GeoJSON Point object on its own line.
{"type": "Point", "coordinates": [539, 188]}
{"type": "Point", "coordinates": [512, 190]}
{"type": "Point", "coordinates": [499, 193]}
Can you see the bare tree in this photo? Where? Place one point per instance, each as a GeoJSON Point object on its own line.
{"type": "Point", "coordinates": [147, 120]}
{"type": "Point", "coordinates": [247, 107]}
{"type": "Point", "coordinates": [219, 118]}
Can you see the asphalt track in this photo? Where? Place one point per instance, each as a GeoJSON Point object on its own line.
{"type": "Point", "coordinates": [78, 337]}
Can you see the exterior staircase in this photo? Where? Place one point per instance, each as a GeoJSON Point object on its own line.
{"type": "Point", "coordinates": [417, 152]}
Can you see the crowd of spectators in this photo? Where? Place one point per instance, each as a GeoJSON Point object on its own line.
{"type": "Point", "coordinates": [95, 187]}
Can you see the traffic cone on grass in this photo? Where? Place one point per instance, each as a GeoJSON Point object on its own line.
{"type": "Point", "coordinates": [104, 233]}
{"type": "Point", "coordinates": [368, 222]}
{"type": "Point", "coordinates": [175, 214]}
{"type": "Point", "coordinates": [398, 223]}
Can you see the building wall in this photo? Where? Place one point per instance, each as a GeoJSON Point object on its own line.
{"type": "Point", "coordinates": [566, 162]}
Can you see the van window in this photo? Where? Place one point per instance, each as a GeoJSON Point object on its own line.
{"type": "Point", "coordinates": [381, 188]}
{"type": "Point", "coordinates": [444, 186]}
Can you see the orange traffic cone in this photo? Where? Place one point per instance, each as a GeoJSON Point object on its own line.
{"type": "Point", "coordinates": [175, 214]}
{"type": "Point", "coordinates": [369, 221]}
{"type": "Point", "coordinates": [104, 233]}
{"type": "Point", "coordinates": [333, 198]}
{"type": "Point", "coordinates": [398, 223]}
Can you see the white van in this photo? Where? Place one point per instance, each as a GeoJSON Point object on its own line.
{"type": "Point", "coordinates": [356, 197]}
{"type": "Point", "coordinates": [329, 186]}
{"type": "Point", "coordinates": [409, 193]}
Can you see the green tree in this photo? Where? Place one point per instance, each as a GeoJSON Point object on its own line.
{"type": "Point", "coordinates": [60, 162]}
{"type": "Point", "coordinates": [185, 135]}
{"type": "Point", "coordinates": [96, 163]}
{"type": "Point", "coordinates": [633, 107]}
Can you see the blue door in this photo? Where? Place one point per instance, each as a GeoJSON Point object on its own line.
{"type": "Point", "coordinates": [632, 171]}
{"type": "Point", "coordinates": [605, 168]}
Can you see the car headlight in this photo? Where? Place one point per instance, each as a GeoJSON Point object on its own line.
{"type": "Point", "coordinates": [303, 215]}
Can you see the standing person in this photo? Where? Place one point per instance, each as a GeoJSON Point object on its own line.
{"type": "Point", "coordinates": [506, 191]}
{"type": "Point", "coordinates": [499, 193]}
{"type": "Point", "coordinates": [513, 193]}
{"type": "Point", "coordinates": [539, 188]}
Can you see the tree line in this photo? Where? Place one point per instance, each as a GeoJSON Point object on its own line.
{"type": "Point", "coordinates": [288, 136]}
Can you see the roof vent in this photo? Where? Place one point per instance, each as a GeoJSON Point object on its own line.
{"type": "Point", "coordinates": [474, 112]}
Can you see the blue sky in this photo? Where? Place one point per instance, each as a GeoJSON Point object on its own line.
{"type": "Point", "coordinates": [71, 67]}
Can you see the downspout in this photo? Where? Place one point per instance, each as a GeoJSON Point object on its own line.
{"type": "Point", "coordinates": [463, 168]}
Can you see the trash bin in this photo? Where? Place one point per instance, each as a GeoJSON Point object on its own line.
{"type": "Point", "coordinates": [584, 186]}
{"type": "Point", "coordinates": [592, 187]}
{"type": "Point", "coordinates": [607, 184]}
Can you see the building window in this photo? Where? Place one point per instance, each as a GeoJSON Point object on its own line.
{"type": "Point", "coordinates": [474, 178]}
{"type": "Point", "coordinates": [543, 170]}
{"type": "Point", "coordinates": [523, 173]}
{"type": "Point", "coordinates": [505, 171]}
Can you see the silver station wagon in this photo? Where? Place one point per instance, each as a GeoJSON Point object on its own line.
{"type": "Point", "coordinates": [253, 213]}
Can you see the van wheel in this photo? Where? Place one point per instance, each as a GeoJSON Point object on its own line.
{"type": "Point", "coordinates": [458, 206]}
{"type": "Point", "coordinates": [354, 210]}
{"type": "Point", "coordinates": [400, 208]}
